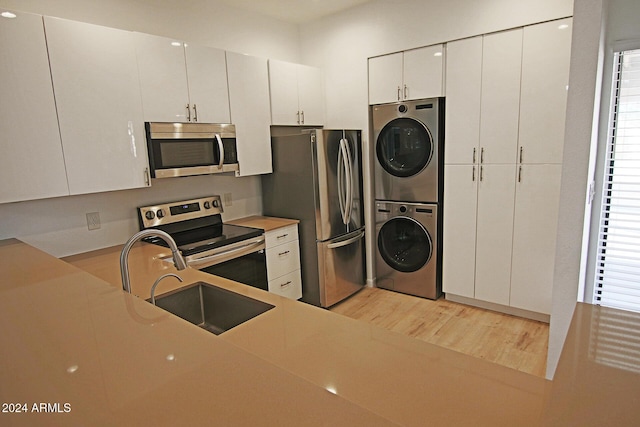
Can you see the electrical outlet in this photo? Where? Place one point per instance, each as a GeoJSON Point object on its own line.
{"type": "Point", "coordinates": [228, 200]}
{"type": "Point", "coordinates": [93, 220]}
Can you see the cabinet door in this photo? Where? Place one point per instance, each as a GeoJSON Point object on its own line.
{"type": "Point", "coordinates": [422, 73]}
{"type": "Point", "coordinates": [545, 78]}
{"type": "Point", "coordinates": [500, 104]}
{"type": "Point", "coordinates": [249, 101]}
{"type": "Point", "coordinates": [385, 78]}
{"type": "Point", "coordinates": [32, 164]}
{"type": "Point", "coordinates": [463, 87]}
{"type": "Point", "coordinates": [283, 84]}
{"type": "Point", "coordinates": [494, 233]}
{"type": "Point", "coordinates": [459, 229]}
{"type": "Point", "coordinates": [163, 78]}
{"type": "Point", "coordinates": [95, 79]}
{"type": "Point", "coordinates": [534, 237]}
{"type": "Point", "coordinates": [310, 95]}
{"type": "Point", "coordinates": [208, 89]}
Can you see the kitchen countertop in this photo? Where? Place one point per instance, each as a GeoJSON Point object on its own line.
{"type": "Point", "coordinates": [76, 338]}
{"type": "Point", "coordinates": [267, 223]}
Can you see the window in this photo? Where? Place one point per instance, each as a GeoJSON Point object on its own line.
{"type": "Point", "coordinates": [617, 275]}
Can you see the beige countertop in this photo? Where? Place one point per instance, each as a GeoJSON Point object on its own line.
{"type": "Point", "coordinates": [267, 223]}
{"type": "Point", "coordinates": [72, 336]}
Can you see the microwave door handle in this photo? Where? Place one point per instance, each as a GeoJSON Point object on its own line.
{"type": "Point", "coordinates": [221, 150]}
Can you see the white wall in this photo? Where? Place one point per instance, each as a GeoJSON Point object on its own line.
{"type": "Point", "coordinates": [58, 226]}
{"type": "Point", "coordinates": [598, 26]}
{"type": "Point", "coordinates": [341, 45]}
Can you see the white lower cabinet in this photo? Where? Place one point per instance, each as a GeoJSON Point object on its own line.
{"type": "Point", "coordinates": [499, 233]}
{"type": "Point", "coordinates": [283, 261]}
{"type": "Point", "coordinates": [534, 236]}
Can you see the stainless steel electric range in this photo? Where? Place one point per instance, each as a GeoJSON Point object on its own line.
{"type": "Point", "coordinates": [230, 251]}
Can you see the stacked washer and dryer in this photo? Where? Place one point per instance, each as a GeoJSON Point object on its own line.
{"type": "Point", "coordinates": [408, 140]}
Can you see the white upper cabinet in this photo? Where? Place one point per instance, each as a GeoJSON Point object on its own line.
{"type": "Point", "coordinates": [297, 94]}
{"type": "Point", "coordinates": [182, 82]}
{"type": "Point", "coordinates": [500, 103]}
{"type": "Point", "coordinates": [97, 92]}
{"type": "Point", "coordinates": [545, 78]}
{"type": "Point", "coordinates": [32, 164]}
{"type": "Point", "coordinates": [250, 112]}
{"type": "Point", "coordinates": [413, 74]}
{"type": "Point", "coordinates": [463, 88]}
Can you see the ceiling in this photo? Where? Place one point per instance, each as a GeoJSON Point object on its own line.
{"type": "Point", "coordinates": [295, 11]}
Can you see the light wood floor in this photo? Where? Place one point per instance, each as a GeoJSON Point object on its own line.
{"type": "Point", "coordinates": [500, 338]}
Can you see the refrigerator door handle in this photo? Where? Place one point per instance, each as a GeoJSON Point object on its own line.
{"type": "Point", "coordinates": [349, 165]}
{"type": "Point", "coordinates": [343, 174]}
{"type": "Point", "coordinates": [346, 242]}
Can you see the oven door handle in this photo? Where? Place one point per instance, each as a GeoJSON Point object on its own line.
{"type": "Point", "coordinates": [219, 257]}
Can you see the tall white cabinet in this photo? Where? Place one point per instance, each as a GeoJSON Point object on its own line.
{"type": "Point", "coordinates": [182, 82]}
{"type": "Point", "coordinates": [32, 163]}
{"type": "Point", "coordinates": [412, 74]}
{"type": "Point", "coordinates": [506, 99]}
{"type": "Point", "coordinates": [97, 92]}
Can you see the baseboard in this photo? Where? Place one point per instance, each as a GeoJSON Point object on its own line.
{"type": "Point", "coordinates": [541, 317]}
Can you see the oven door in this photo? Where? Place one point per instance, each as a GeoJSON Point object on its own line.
{"type": "Point", "coordinates": [243, 262]}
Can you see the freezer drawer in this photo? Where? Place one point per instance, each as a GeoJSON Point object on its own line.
{"type": "Point", "coordinates": [341, 267]}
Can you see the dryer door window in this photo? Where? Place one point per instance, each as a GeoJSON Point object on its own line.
{"type": "Point", "coordinates": [404, 244]}
{"type": "Point", "coordinates": [404, 147]}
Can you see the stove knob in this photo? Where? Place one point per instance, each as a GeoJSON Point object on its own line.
{"type": "Point", "coordinates": [150, 215]}
{"type": "Point", "coordinates": [216, 203]}
{"type": "Point", "coordinates": [160, 213]}
{"type": "Point", "coordinates": [207, 205]}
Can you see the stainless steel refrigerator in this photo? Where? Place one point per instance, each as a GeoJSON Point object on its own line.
{"type": "Point", "coordinates": [317, 178]}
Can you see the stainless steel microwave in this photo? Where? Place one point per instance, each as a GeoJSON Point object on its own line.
{"type": "Point", "coordinates": [186, 149]}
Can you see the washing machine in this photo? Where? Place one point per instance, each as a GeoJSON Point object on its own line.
{"type": "Point", "coordinates": [408, 250]}
{"type": "Point", "coordinates": [409, 150]}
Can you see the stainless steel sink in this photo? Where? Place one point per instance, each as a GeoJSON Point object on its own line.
{"type": "Point", "coordinates": [210, 307]}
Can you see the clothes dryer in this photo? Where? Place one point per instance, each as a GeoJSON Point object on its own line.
{"type": "Point", "coordinates": [408, 248]}
{"type": "Point", "coordinates": [409, 148]}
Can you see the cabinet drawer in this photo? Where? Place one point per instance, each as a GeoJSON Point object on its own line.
{"type": "Point", "coordinates": [283, 259]}
{"type": "Point", "coordinates": [289, 285]}
{"type": "Point", "coordinates": [281, 235]}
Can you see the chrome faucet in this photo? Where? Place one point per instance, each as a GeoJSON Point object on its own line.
{"type": "Point", "coordinates": [178, 260]}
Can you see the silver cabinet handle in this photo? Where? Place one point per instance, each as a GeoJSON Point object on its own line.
{"type": "Point", "coordinates": [283, 253]}
{"type": "Point", "coordinates": [302, 115]}
{"type": "Point", "coordinates": [406, 92]}
{"type": "Point", "coordinates": [399, 94]}
{"type": "Point", "coordinates": [473, 173]}
{"type": "Point", "coordinates": [521, 149]}
{"type": "Point", "coordinates": [188, 113]}
{"type": "Point", "coordinates": [147, 177]}
{"type": "Point", "coordinates": [520, 173]}
{"type": "Point", "coordinates": [481, 173]}
{"type": "Point", "coordinates": [474, 155]}
{"type": "Point", "coordinates": [282, 236]}
{"type": "Point", "coordinates": [298, 117]}
{"type": "Point", "coordinates": [195, 113]}
{"type": "Point", "coordinates": [221, 148]}
{"type": "Point", "coordinates": [482, 155]}
{"type": "Point", "coordinates": [285, 284]}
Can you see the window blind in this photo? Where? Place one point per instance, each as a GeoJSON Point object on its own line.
{"type": "Point", "coordinates": [617, 278]}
